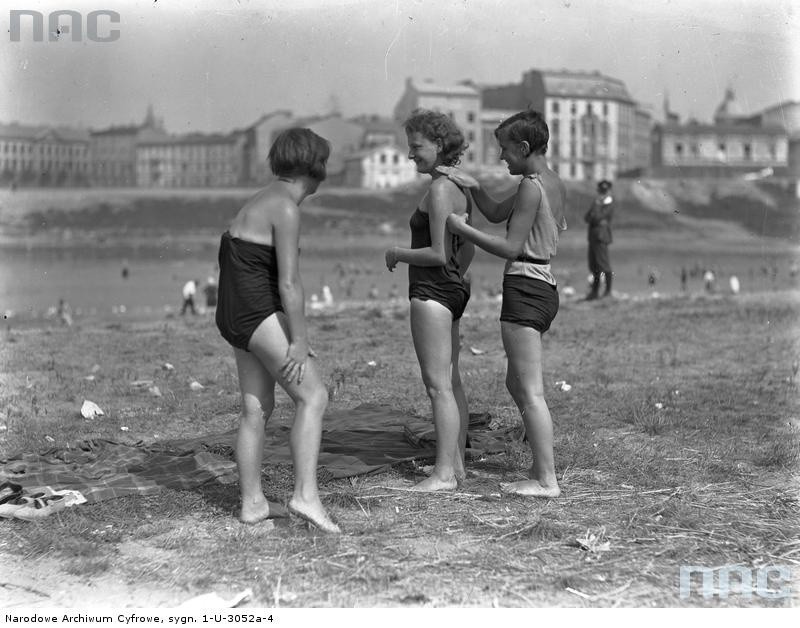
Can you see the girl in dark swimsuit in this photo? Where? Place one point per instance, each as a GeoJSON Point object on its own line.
{"type": "Point", "coordinates": [261, 314]}
{"type": "Point", "coordinates": [437, 261]}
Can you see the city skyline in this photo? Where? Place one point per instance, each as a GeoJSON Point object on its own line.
{"type": "Point", "coordinates": [213, 67]}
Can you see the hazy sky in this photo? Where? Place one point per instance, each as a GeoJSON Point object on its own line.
{"type": "Point", "coordinates": [216, 66]}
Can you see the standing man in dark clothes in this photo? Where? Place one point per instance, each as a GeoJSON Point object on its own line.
{"type": "Point", "coordinates": [599, 219]}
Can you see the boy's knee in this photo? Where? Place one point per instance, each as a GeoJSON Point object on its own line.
{"type": "Point", "coordinates": [436, 387]}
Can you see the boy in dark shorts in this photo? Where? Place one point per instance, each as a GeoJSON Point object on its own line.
{"type": "Point", "coordinates": [534, 216]}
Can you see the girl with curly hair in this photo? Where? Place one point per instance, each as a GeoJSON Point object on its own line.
{"type": "Point", "coordinates": [437, 262]}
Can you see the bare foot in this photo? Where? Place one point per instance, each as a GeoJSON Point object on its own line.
{"type": "Point", "coordinates": [313, 513]}
{"type": "Point", "coordinates": [433, 484]}
{"type": "Point", "coordinates": [530, 488]}
{"type": "Point", "coordinates": [460, 472]}
{"type": "Point", "coordinates": [261, 511]}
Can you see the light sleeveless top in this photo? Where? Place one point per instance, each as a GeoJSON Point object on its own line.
{"type": "Point", "coordinates": [541, 242]}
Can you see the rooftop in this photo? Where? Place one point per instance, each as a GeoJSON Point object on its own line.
{"type": "Point", "coordinates": [429, 87]}
{"type": "Point", "coordinates": [564, 83]}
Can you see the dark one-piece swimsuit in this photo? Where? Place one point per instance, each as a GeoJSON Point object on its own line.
{"type": "Point", "coordinates": [443, 284]}
{"type": "Point", "coordinates": [248, 288]}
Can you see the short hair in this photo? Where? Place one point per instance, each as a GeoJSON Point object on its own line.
{"type": "Point", "coordinates": [297, 152]}
{"type": "Point", "coordinates": [526, 126]}
{"type": "Point", "coordinates": [604, 185]}
{"type": "Point", "coordinates": [438, 126]}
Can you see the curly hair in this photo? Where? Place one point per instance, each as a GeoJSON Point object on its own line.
{"type": "Point", "coordinates": [434, 126]}
{"type": "Point", "coordinates": [526, 126]}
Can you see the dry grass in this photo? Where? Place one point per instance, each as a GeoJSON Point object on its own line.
{"type": "Point", "coordinates": [700, 480]}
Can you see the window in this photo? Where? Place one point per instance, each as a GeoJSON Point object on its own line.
{"type": "Point", "coordinates": [554, 107]}
{"type": "Point", "coordinates": [383, 158]}
{"type": "Point", "coordinates": [572, 170]}
{"type": "Point", "coordinates": [679, 149]}
{"type": "Point", "coordinates": [470, 136]}
{"type": "Point", "coordinates": [395, 159]}
{"type": "Point", "coordinates": [470, 157]}
{"type": "Point", "coordinates": [748, 152]}
{"type": "Point", "coordinates": [605, 108]}
{"type": "Point", "coordinates": [573, 108]}
{"type": "Point", "coordinates": [470, 116]}
{"type": "Point", "coordinates": [589, 109]}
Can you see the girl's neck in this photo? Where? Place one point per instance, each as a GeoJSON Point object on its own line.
{"type": "Point", "coordinates": [295, 188]}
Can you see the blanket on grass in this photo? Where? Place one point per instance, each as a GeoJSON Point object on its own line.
{"type": "Point", "coordinates": [366, 439]}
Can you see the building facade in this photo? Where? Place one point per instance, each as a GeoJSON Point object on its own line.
{"type": "Point", "coordinates": [461, 102]}
{"type": "Point", "coordinates": [113, 151]}
{"type": "Point", "coordinates": [258, 140]}
{"type": "Point", "coordinates": [379, 167]}
{"type": "Point", "coordinates": [42, 156]}
{"type": "Point", "coordinates": [733, 144]}
{"type": "Point", "coordinates": [194, 160]}
{"type": "Point", "coordinates": [597, 131]}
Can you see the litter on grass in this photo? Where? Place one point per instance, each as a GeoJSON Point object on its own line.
{"type": "Point", "coordinates": [90, 410]}
{"type": "Point", "coordinates": [213, 600]}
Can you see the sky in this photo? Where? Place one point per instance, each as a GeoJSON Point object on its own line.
{"type": "Point", "coordinates": [217, 66]}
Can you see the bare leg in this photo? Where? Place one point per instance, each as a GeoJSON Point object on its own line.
{"type": "Point", "coordinates": [270, 343]}
{"type": "Point", "coordinates": [257, 388]}
{"type": "Point", "coordinates": [431, 325]}
{"type": "Point", "coordinates": [523, 347]}
{"type": "Point", "coordinates": [461, 402]}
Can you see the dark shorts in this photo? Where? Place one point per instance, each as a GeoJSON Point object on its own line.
{"type": "Point", "coordinates": [452, 295]}
{"type": "Point", "coordinates": [529, 302]}
{"type": "Point", "coordinates": [599, 261]}
{"type": "Point", "coordinates": [248, 289]}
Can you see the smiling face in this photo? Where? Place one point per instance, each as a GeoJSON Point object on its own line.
{"type": "Point", "coordinates": [511, 152]}
{"type": "Point", "coordinates": [423, 152]}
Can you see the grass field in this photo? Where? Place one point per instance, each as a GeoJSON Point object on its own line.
{"type": "Point", "coordinates": [678, 444]}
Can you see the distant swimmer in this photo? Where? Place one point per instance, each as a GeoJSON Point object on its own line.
{"type": "Point", "coordinates": [189, 291]}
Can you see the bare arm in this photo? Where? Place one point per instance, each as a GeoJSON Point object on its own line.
{"type": "Point", "coordinates": [519, 226]}
{"type": "Point", "coordinates": [286, 236]}
{"type": "Point", "coordinates": [495, 211]}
